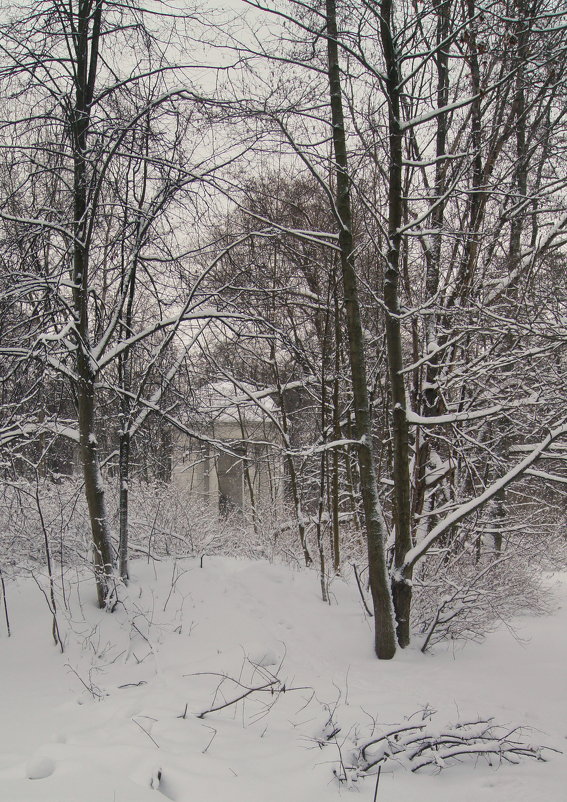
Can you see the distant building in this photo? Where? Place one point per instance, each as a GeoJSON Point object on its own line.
{"type": "Point", "coordinates": [234, 461]}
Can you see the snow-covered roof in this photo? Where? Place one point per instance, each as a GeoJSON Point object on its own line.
{"type": "Point", "coordinates": [231, 401]}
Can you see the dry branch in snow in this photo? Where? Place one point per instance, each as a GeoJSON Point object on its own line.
{"type": "Point", "coordinates": [421, 745]}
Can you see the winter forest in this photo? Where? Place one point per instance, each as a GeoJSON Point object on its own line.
{"type": "Point", "coordinates": [283, 417]}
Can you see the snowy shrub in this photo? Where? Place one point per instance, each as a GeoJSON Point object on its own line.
{"type": "Point", "coordinates": [163, 521]}
{"type": "Point", "coordinates": [488, 571]}
{"type": "Point", "coordinates": [460, 591]}
{"type": "Point", "coordinates": [35, 516]}
{"type": "Point", "coordinates": [465, 597]}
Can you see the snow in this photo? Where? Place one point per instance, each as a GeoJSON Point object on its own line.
{"type": "Point", "coordinates": [228, 400]}
{"type": "Point", "coordinates": [116, 717]}
{"type": "Point", "coordinates": [38, 768]}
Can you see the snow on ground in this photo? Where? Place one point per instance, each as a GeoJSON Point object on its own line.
{"type": "Point", "coordinates": [115, 718]}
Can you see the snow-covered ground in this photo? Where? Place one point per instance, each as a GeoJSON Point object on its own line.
{"type": "Point", "coordinates": [115, 718]}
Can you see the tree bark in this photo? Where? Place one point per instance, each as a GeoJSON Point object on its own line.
{"type": "Point", "coordinates": [401, 580]}
{"type": "Point", "coordinates": [384, 635]}
{"type": "Point", "coordinates": [86, 42]}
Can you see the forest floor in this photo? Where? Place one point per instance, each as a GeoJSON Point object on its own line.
{"type": "Point", "coordinates": [115, 718]}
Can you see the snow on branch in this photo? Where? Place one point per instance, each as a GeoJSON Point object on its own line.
{"type": "Point", "coordinates": [463, 510]}
{"type": "Point", "coordinates": [468, 415]}
{"type": "Point", "coordinates": [421, 745]}
{"type": "Point", "coordinates": [549, 477]}
{"type": "Point", "coordinates": [19, 431]}
{"type": "Point", "coordinates": [160, 325]}
{"type": "Point", "coordinates": [462, 601]}
{"type": "Point", "coordinates": [543, 244]}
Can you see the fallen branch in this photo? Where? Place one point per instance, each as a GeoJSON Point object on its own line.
{"type": "Point", "coordinates": [273, 685]}
{"type": "Point", "coordinates": [420, 745]}
{"type": "Point", "coordinates": [267, 686]}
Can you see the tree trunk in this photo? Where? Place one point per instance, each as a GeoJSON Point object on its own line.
{"type": "Point", "coordinates": [86, 59]}
{"type": "Point", "coordinates": [385, 641]}
{"type": "Point", "coordinates": [94, 489]}
{"type": "Point", "coordinates": [290, 465]}
{"type": "Point", "coordinates": [123, 496]}
{"type": "Point", "coordinates": [401, 581]}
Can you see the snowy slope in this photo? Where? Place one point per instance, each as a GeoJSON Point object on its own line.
{"type": "Point", "coordinates": [115, 718]}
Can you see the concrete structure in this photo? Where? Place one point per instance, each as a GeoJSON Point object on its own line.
{"type": "Point", "coordinates": [237, 464]}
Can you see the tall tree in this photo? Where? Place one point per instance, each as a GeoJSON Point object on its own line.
{"type": "Point", "coordinates": [105, 134]}
{"type": "Point", "coordinates": [433, 158]}
{"type": "Point", "coordinates": [384, 644]}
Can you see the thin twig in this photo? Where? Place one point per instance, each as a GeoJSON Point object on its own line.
{"type": "Point", "coordinates": [238, 698]}
{"type": "Point", "coordinates": [377, 781]}
{"type": "Point", "coordinates": [5, 603]}
{"type": "Point", "coordinates": [366, 607]}
{"type": "Point", "coordinates": [137, 723]}
{"type": "Point", "coordinates": [210, 742]}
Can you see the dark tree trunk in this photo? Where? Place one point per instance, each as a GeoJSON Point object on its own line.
{"type": "Point", "coordinates": [401, 581]}
{"type": "Point", "coordinates": [86, 41]}
{"type": "Point", "coordinates": [385, 641]}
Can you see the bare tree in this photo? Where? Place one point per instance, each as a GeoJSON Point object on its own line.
{"type": "Point", "coordinates": [433, 159]}
{"type": "Point", "coordinates": [95, 144]}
